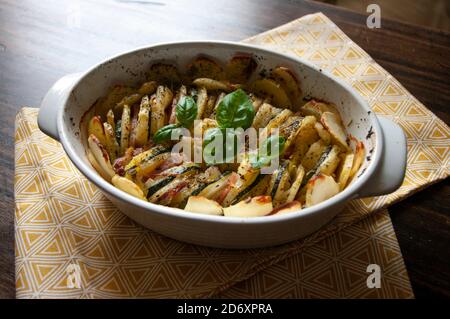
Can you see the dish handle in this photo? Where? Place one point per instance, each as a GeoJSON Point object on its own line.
{"type": "Point", "coordinates": [390, 173]}
{"type": "Point", "coordinates": [52, 104]}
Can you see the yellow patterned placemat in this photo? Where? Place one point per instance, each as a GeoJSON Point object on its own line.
{"type": "Point", "coordinates": [64, 225]}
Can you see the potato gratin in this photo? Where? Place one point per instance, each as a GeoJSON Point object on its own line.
{"type": "Point", "coordinates": [131, 140]}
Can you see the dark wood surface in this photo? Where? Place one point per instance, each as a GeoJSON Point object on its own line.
{"type": "Point", "coordinates": [41, 41]}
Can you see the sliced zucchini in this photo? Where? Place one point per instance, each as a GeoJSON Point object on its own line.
{"type": "Point", "coordinates": [331, 161]}
{"type": "Point", "coordinates": [272, 90]}
{"type": "Point", "coordinates": [279, 184]}
{"type": "Point", "coordinates": [258, 186]}
{"type": "Point", "coordinates": [316, 152]}
{"type": "Point", "coordinates": [165, 194]}
{"type": "Point", "coordinates": [213, 189]}
{"type": "Point", "coordinates": [240, 68]}
{"type": "Point", "coordinates": [169, 175]}
{"type": "Point", "coordinates": [252, 207]}
{"type": "Point", "coordinates": [203, 205]}
{"type": "Point", "coordinates": [128, 186]}
{"type": "Point", "coordinates": [343, 174]}
{"type": "Point", "coordinates": [333, 124]}
{"type": "Point", "coordinates": [290, 130]}
{"type": "Point", "coordinates": [319, 189]}
{"type": "Point", "coordinates": [143, 157]}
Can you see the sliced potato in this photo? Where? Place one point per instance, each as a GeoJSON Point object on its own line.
{"type": "Point", "coordinates": [313, 155]}
{"type": "Point", "coordinates": [110, 119]}
{"type": "Point", "coordinates": [203, 67]}
{"type": "Point", "coordinates": [164, 73]}
{"type": "Point", "coordinates": [293, 206]}
{"type": "Point", "coordinates": [360, 153]}
{"type": "Point", "coordinates": [265, 113]}
{"type": "Point", "coordinates": [288, 82]}
{"type": "Point", "coordinates": [203, 205]}
{"type": "Point", "coordinates": [111, 143]}
{"type": "Point", "coordinates": [320, 188]}
{"type": "Point", "coordinates": [256, 101]}
{"type": "Point", "coordinates": [128, 186]}
{"type": "Point", "coordinates": [316, 109]}
{"type": "Point", "coordinates": [295, 187]}
{"type": "Point", "coordinates": [209, 109]}
{"type": "Point", "coordinates": [159, 103]}
{"type": "Point", "coordinates": [333, 124]}
{"type": "Point", "coordinates": [141, 135]}
{"type": "Point", "coordinates": [280, 184]}
{"type": "Point", "coordinates": [240, 68]}
{"type": "Point", "coordinates": [323, 133]}
{"type": "Point", "coordinates": [252, 207]}
{"type": "Point", "coordinates": [129, 100]}
{"type": "Point", "coordinates": [148, 88]}
{"type": "Point", "coordinates": [344, 170]}
{"type": "Point", "coordinates": [213, 85]}
{"type": "Point", "coordinates": [97, 166]}
{"type": "Point", "coordinates": [95, 127]}
{"type": "Point", "coordinates": [271, 89]}
{"type": "Point", "coordinates": [125, 129]}
{"type": "Point", "coordinates": [101, 155]}
{"type": "Point", "coordinates": [202, 101]}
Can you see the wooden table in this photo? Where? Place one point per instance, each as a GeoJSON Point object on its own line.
{"type": "Point", "coordinates": [41, 41]}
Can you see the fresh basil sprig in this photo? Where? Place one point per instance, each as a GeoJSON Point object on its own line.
{"type": "Point", "coordinates": [186, 113]}
{"type": "Point", "coordinates": [265, 155]}
{"type": "Point", "coordinates": [235, 110]}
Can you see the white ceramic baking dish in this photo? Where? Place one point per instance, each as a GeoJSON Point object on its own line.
{"type": "Point", "coordinates": [61, 117]}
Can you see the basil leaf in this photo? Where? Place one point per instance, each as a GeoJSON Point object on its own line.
{"type": "Point", "coordinates": [165, 133]}
{"type": "Point", "coordinates": [265, 155]}
{"type": "Point", "coordinates": [186, 111]}
{"type": "Point", "coordinates": [235, 110]}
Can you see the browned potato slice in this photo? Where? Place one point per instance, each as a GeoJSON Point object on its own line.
{"type": "Point", "coordinates": [164, 73]}
{"type": "Point", "coordinates": [213, 85]}
{"type": "Point", "coordinates": [319, 189]}
{"type": "Point", "coordinates": [317, 108]}
{"type": "Point", "coordinates": [203, 205]}
{"type": "Point", "coordinates": [203, 67]}
{"type": "Point", "coordinates": [101, 155]}
{"type": "Point", "coordinates": [97, 166]}
{"type": "Point", "coordinates": [252, 207]}
{"type": "Point", "coordinates": [271, 89]}
{"type": "Point", "coordinates": [95, 127]}
{"type": "Point", "coordinates": [360, 153]}
{"type": "Point", "coordinates": [240, 68]}
{"type": "Point", "coordinates": [148, 88]}
{"type": "Point", "coordinates": [289, 83]}
{"type": "Point", "coordinates": [343, 174]}
{"type": "Point", "coordinates": [323, 133]}
{"type": "Point", "coordinates": [110, 119]}
{"type": "Point", "coordinates": [333, 124]}
{"type": "Point", "coordinates": [290, 207]}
